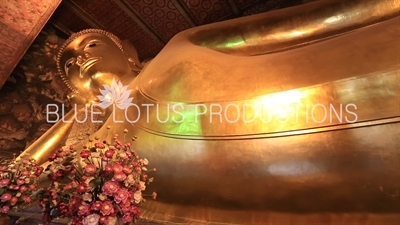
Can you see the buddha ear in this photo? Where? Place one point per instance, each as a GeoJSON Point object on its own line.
{"type": "Point", "coordinates": [132, 56]}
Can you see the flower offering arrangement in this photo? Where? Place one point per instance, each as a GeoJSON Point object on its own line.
{"type": "Point", "coordinates": [100, 184]}
{"type": "Point", "coordinates": [18, 182]}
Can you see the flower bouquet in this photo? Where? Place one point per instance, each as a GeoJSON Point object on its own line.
{"type": "Point", "coordinates": [18, 182]}
{"type": "Point", "coordinates": [103, 187]}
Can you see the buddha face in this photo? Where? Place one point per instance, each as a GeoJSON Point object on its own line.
{"type": "Point", "coordinates": [92, 60]}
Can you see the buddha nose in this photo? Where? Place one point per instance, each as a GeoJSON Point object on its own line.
{"type": "Point", "coordinates": [80, 60]}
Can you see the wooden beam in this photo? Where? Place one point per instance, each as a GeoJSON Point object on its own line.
{"type": "Point", "coordinates": [139, 20]}
{"type": "Point", "coordinates": [61, 27]}
{"type": "Point", "coordinates": [234, 7]}
{"type": "Point", "coordinates": [185, 12]}
{"type": "Point", "coordinates": [83, 15]}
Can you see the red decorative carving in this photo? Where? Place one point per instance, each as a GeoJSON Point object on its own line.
{"type": "Point", "coordinates": [163, 16]}
{"type": "Point", "coordinates": [108, 14]}
{"type": "Point", "coordinates": [208, 11]}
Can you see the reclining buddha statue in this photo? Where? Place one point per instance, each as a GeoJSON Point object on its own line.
{"type": "Point", "coordinates": [287, 116]}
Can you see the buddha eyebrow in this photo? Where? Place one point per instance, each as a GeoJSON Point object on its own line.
{"type": "Point", "coordinates": [91, 42]}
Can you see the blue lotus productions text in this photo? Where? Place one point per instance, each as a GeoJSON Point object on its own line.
{"type": "Point", "coordinates": [217, 113]}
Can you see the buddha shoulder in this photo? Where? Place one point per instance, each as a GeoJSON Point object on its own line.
{"type": "Point", "coordinates": [186, 72]}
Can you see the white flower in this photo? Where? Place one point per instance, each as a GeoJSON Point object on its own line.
{"type": "Point", "coordinates": [117, 94]}
{"type": "Point", "coordinates": [142, 186]}
{"type": "Point", "coordinates": [130, 180]}
{"type": "Point", "coordinates": [59, 160]}
{"type": "Point", "coordinates": [95, 154]}
{"type": "Point", "coordinates": [87, 197]}
{"type": "Point", "coordinates": [145, 162]}
{"type": "Point", "coordinates": [122, 155]}
{"type": "Point", "coordinates": [102, 197]}
{"type": "Point", "coordinates": [92, 219]}
{"type": "Point", "coordinates": [112, 220]}
{"type": "Point", "coordinates": [137, 197]}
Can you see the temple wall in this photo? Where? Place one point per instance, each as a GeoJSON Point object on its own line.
{"type": "Point", "coordinates": [32, 85]}
{"type": "Point", "coordinates": [20, 23]}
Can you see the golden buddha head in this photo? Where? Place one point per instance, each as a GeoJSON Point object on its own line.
{"type": "Point", "coordinates": [88, 60]}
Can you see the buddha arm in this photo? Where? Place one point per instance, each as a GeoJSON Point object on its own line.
{"type": "Point", "coordinates": [50, 141]}
{"type": "Point", "coordinates": [282, 29]}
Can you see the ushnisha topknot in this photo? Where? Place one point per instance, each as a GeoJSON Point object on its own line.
{"type": "Point", "coordinates": [60, 68]}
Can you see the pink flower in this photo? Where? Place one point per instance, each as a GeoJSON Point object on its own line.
{"type": "Point", "coordinates": [119, 176]}
{"type": "Point", "coordinates": [20, 182]}
{"type": "Point", "coordinates": [23, 188]}
{"type": "Point", "coordinates": [85, 153]}
{"type": "Point", "coordinates": [52, 157]}
{"type": "Point", "coordinates": [127, 218]}
{"type": "Point", "coordinates": [32, 187]}
{"type": "Point", "coordinates": [121, 195]}
{"type": "Point", "coordinates": [110, 187]}
{"type": "Point", "coordinates": [127, 170]}
{"type": "Point", "coordinates": [5, 209]}
{"type": "Point", "coordinates": [81, 188]}
{"type": "Point", "coordinates": [108, 168]}
{"type": "Point", "coordinates": [74, 202]}
{"type": "Point", "coordinates": [76, 221]}
{"type": "Point", "coordinates": [27, 199]}
{"type": "Point", "coordinates": [5, 197]}
{"type": "Point", "coordinates": [96, 205]}
{"type": "Point", "coordinates": [135, 210]}
{"type": "Point", "coordinates": [4, 182]}
{"type": "Point", "coordinates": [103, 220]}
{"type": "Point", "coordinates": [99, 145]}
{"type": "Point", "coordinates": [109, 153]}
{"type": "Point", "coordinates": [117, 168]}
{"type": "Point", "coordinates": [129, 154]}
{"type": "Point", "coordinates": [107, 208]}
{"type": "Point", "coordinates": [25, 173]}
{"type": "Point", "coordinates": [55, 176]}
{"type": "Point", "coordinates": [38, 170]}
{"type": "Point", "coordinates": [13, 200]}
{"type": "Point", "coordinates": [125, 206]}
{"type": "Point", "coordinates": [90, 168]}
{"type": "Point", "coordinates": [83, 209]}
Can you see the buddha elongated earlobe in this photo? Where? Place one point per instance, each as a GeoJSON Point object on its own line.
{"type": "Point", "coordinates": [76, 99]}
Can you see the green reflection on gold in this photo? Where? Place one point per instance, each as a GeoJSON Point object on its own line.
{"type": "Point", "coordinates": [234, 43]}
{"type": "Point", "coordinates": [182, 119]}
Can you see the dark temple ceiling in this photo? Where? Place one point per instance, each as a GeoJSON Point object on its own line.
{"type": "Point", "coordinates": [150, 24]}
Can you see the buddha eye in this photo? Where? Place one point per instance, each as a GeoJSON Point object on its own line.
{"type": "Point", "coordinates": [91, 44]}
{"type": "Point", "coordinates": [69, 63]}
